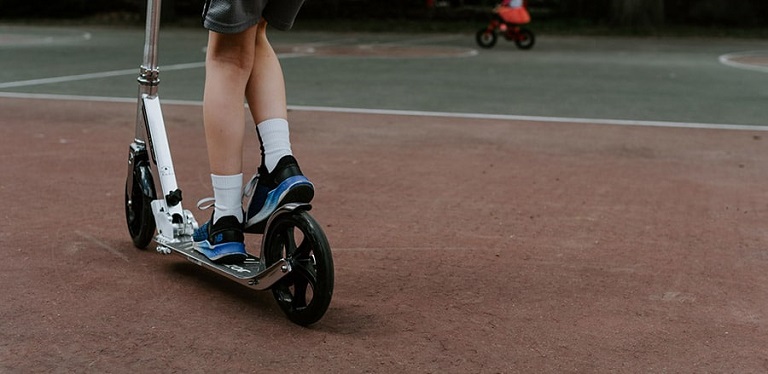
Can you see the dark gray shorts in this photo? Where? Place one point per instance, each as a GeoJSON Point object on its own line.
{"type": "Point", "coordinates": [233, 16]}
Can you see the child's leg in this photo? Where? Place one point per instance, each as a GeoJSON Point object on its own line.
{"type": "Point", "coordinates": [280, 178]}
{"type": "Point", "coordinates": [229, 63]}
{"type": "Point", "coordinates": [265, 93]}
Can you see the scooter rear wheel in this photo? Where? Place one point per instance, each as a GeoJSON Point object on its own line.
{"type": "Point", "coordinates": [305, 293]}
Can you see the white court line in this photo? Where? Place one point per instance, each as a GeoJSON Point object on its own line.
{"type": "Point", "coordinates": [418, 113]}
{"type": "Point", "coordinates": [415, 42]}
{"type": "Point", "coordinates": [727, 59]}
{"type": "Point", "coordinates": [509, 117]}
{"type": "Point", "coordinates": [66, 78]}
{"type": "Point", "coordinates": [103, 74]}
{"type": "Point", "coordinates": [114, 73]}
{"type": "Point", "coordinates": [418, 41]}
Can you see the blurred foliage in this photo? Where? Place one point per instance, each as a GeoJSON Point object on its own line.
{"type": "Point", "coordinates": [641, 13]}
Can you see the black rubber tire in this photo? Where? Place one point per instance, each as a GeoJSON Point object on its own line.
{"type": "Point", "coordinates": [138, 205]}
{"type": "Point", "coordinates": [526, 40]}
{"type": "Point", "coordinates": [305, 293]}
{"type": "Point", "coordinates": [485, 38]}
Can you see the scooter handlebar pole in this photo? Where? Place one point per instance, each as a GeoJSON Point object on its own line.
{"type": "Point", "coordinates": [151, 34]}
{"type": "Point", "coordinates": [149, 74]}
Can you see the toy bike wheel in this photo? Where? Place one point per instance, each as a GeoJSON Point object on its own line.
{"type": "Point", "coordinates": [305, 293]}
{"type": "Point", "coordinates": [525, 39]}
{"type": "Point", "coordinates": [486, 38]}
{"type": "Point", "coordinates": [139, 193]}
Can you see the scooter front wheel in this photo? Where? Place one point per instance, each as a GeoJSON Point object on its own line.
{"type": "Point", "coordinates": [139, 193]}
{"type": "Point", "coordinates": [305, 293]}
{"type": "Point", "coordinates": [486, 38]}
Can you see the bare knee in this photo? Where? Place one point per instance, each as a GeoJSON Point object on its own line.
{"type": "Point", "coordinates": [231, 50]}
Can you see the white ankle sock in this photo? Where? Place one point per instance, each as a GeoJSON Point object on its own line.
{"type": "Point", "coordinates": [227, 190]}
{"type": "Point", "coordinates": [275, 141]}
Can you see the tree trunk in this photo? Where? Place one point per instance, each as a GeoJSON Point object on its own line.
{"type": "Point", "coordinates": [637, 13]}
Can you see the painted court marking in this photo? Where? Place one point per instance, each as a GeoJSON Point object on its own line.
{"type": "Point", "coordinates": [322, 48]}
{"type": "Point", "coordinates": [749, 60]}
{"type": "Point", "coordinates": [112, 73]}
{"type": "Point", "coordinates": [417, 113]}
{"type": "Point", "coordinates": [103, 74]}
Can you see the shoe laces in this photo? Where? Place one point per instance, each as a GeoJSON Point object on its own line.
{"type": "Point", "coordinates": [248, 190]}
{"type": "Point", "coordinates": [206, 203]}
{"type": "Point", "coordinates": [250, 187]}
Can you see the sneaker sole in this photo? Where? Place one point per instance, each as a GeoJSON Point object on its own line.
{"type": "Point", "coordinates": [301, 191]}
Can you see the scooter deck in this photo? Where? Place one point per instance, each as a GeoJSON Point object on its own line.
{"type": "Point", "coordinates": [248, 269]}
{"type": "Point", "coordinates": [252, 272]}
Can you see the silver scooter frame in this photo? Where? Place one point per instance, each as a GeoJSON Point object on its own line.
{"type": "Point", "coordinates": [175, 225]}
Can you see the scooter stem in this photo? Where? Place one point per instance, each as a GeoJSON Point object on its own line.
{"type": "Point", "coordinates": [149, 76]}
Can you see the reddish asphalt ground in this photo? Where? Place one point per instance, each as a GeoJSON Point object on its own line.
{"type": "Point", "coordinates": [461, 246]}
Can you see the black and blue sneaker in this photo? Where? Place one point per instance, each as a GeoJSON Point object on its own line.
{"type": "Point", "coordinates": [222, 242]}
{"type": "Point", "coordinates": [286, 184]}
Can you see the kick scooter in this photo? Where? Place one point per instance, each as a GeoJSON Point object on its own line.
{"type": "Point", "coordinates": [295, 260]}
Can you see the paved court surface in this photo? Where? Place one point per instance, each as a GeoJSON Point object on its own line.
{"type": "Point", "coordinates": [476, 239]}
{"type": "Point", "coordinates": [680, 80]}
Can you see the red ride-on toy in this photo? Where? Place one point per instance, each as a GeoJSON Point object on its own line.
{"type": "Point", "coordinates": [489, 35]}
{"type": "Point", "coordinates": [508, 19]}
